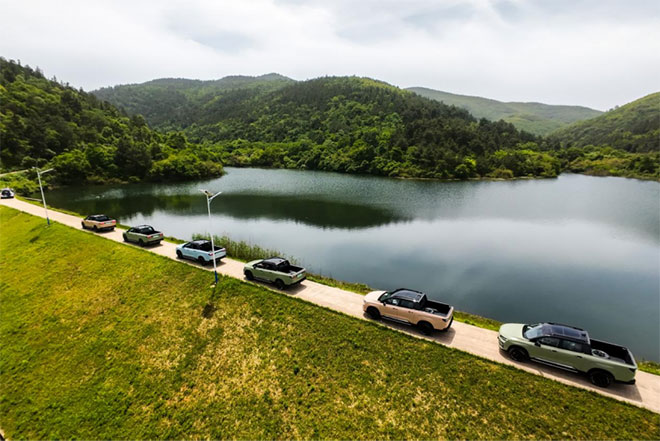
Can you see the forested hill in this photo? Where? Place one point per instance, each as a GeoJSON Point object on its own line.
{"type": "Point", "coordinates": [634, 127]}
{"type": "Point", "coordinates": [359, 125]}
{"type": "Point", "coordinates": [537, 118]}
{"type": "Point", "coordinates": [173, 103]}
{"type": "Point", "coordinates": [85, 139]}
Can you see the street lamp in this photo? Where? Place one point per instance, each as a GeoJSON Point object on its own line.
{"type": "Point", "coordinates": [209, 197]}
{"type": "Point", "coordinates": [43, 198]}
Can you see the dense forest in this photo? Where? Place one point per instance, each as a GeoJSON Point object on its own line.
{"type": "Point", "coordinates": [342, 124]}
{"type": "Point", "coordinates": [44, 122]}
{"type": "Point", "coordinates": [622, 142]}
{"type": "Point", "coordinates": [358, 125]}
{"type": "Point", "coordinates": [537, 118]}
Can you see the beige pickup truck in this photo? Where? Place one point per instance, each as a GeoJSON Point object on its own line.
{"type": "Point", "coordinates": [410, 307]}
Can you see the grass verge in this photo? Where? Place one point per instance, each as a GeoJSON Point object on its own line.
{"type": "Point", "coordinates": [106, 341]}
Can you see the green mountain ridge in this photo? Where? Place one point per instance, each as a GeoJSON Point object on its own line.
{"type": "Point", "coordinates": [537, 118]}
{"type": "Point", "coordinates": [633, 127]}
{"type": "Point", "coordinates": [170, 103]}
{"type": "Point", "coordinates": [83, 138]}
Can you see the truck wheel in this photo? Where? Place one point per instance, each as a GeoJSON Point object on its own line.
{"type": "Point", "coordinates": [141, 243]}
{"type": "Point", "coordinates": [518, 354]}
{"type": "Point", "coordinates": [425, 327]}
{"type": "Point", "coordinates": [248, 275]}
{"type": "Point", "coordinates": [83, 225]}
{"type": "Point", "coordinates": [125, 238]}
{"type": "Point", "coordinates": [201, 260]}
{"type": "Point", "coordinates": [96, 229]}
{"type": "Point", "coordinates": [373, 312]}
{"type": "Point", "coordinates": [179, 254]}
{"type": "Point", "coordinates": [279, 284]}
{"type": "Point", "coordinates": [600, 378]}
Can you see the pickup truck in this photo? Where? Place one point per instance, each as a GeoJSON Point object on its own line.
{"type": "Point", "coordinates": [143, 235]}
{"type": "Point", "coordinates": [569, 348]}
{"type": "Point", "coordinates": [200, 250]}
{"type": "Point", "coordinates": [274, 270]}
{"type": "Point", "coordinates": [410, 307]}
{"type": "Point", "coordinates": [98, 222]}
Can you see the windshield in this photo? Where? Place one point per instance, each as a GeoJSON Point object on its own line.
{"type": "Point", "coordinates": [385, 296]}
{"type": "Point", "coordinates": [533, 331]}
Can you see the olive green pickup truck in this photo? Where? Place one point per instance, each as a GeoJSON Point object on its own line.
{"type": "Point", "coordinates": [274, 270]}
{"type": "Point", "coordinates": [143, 235]}
{"type": "Point", "coordinates": [569, 348]}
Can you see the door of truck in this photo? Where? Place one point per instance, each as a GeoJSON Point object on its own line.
{"type": "Point", "coordinates": [394, 310]}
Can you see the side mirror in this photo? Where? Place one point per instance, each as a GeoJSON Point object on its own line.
{"type": "Point", "coordinates": [536, 343]}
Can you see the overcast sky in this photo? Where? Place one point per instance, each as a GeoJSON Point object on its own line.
{"type": "Point", "coordinates": [598, 53]}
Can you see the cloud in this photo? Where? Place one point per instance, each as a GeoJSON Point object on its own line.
{"type": "Point", "coordinates": [594, 53]}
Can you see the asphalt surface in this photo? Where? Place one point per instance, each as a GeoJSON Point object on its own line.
{"type": "Point", "coordinates": [478, 341]}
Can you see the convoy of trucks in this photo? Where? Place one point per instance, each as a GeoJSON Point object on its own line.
{"type": "Point", "coordinates": [556, 345]}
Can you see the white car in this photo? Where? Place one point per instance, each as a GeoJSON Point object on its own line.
{"type": "Point", "coordinates": [200, 250]}
{"type": "Point", "coordinates": [7, 193]}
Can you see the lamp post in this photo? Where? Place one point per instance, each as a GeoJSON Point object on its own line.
{"type": "Point", "coordinates": [43, 198]}
{"type": "Point", "coordinates": [209, 197]}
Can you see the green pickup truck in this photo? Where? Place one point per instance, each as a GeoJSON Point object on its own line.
{"type": "Point", "coordinates": [274, 270]}
{"type": "Point", "coordinates": [569, 348]}
{"type": "Point", "coordinates": [143, 235]}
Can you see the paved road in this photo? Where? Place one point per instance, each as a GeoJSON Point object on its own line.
{"type": "Point", "coordinates": [468, 338]}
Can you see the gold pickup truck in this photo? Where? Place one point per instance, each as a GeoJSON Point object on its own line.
{"type": "Point", "coordinates": [98, 222]}
{"type": "Point", "coordinates": [410, 307]}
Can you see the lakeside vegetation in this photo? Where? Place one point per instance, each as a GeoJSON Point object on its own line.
{"type": "Point", "coordinates": [45, 123]}
{"type": "Point", "coordinates": [137, 345]}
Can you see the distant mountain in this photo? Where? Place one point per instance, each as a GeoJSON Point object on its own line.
{"type": "Point", "coordinates": [171, 103]}
{"type": "Point", "coordinates": [634, 127]}
{"type": "Point", "coordinates": [537, 118]}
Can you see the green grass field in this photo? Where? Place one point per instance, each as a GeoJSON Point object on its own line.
{"type": "Point", "coordinates": [103, 341]}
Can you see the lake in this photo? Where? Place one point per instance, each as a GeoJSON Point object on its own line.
{"type": "Point", "coordinates": [578, 250]}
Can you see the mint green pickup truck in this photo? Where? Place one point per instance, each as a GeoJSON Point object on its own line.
{"type": "Point", "coordinates": [569, 348]}
{"type": "Point", "coordinates": [274, 270]}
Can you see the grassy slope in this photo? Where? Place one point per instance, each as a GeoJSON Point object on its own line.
{"type": "Point", "coordinates": [633, 127]}
{"type": "Point", "coordinates": [103, 340]}
{"type": "Point", "coordinates": [537, 118]}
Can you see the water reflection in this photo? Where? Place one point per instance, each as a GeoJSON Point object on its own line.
{"type": "Point", "coordinates": [307, 210]}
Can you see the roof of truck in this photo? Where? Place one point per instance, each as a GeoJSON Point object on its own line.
{"type": "Point", "coordinates": [407, 294]}
{"type": "Point", "coordinates": [275, 260]}
{"type": "Point", "coordinates": [565, 331]}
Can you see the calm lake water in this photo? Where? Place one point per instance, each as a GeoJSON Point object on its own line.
{"type": "Point", "coordinates": [578, 250]}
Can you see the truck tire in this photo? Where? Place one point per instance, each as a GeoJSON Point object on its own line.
{"type": "Point", "coordinates": [179, 254]}
{"type": "Point", "coordinates": [600, 378]}
{"type": "Point", "coordinates": [142, 243]}
{"type": "Point", "coordinates": [248, 275]}
{"type": "Point", "coordinates": [125, 237]}
{"type": "Point", "coordinates": [373, 312]}
{"type": "Point", "coordinates": [279, 284]}
{"type": "Point", "coordinates": [83, 225]}
{"type": "Point", "coordinates": [518, 354]}
{"type": "Point", "coordinates": [201, 260]}
{"type": "Point", "coordinates": [425, 327]}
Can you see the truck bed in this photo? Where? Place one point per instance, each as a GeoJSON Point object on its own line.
{"type": "Point", "coordinates": [616, 353]}
{"type": "Point", "coordinates": [290, 269]}
{"type": "Point", "coordinates": [436, 307]}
